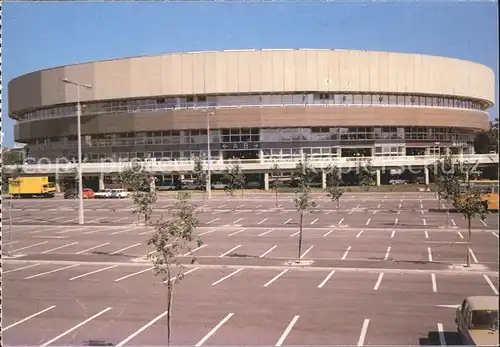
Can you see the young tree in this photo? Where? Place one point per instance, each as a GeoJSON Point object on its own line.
{"type": "Point", "coordinates": [275, 173]}
{"type": "Point", "coordinates": [333, 180]}
{"type": "Point", "coordinates": [200, 174]}
{"type": "Point", "coordinates": [365, 175]}
{"type": "Point", "coordinates": [448, 176]}
{"type": "Point", "coordinates": [171, 239]}
{"type": "Point", "coordinates": [234, 179]}
{"type": "Point", "coordinates": [303, 175]}
{"type": "Point", "coordinates": [470, 204]}
{"type": "Point", "coordinates": [144, 198]}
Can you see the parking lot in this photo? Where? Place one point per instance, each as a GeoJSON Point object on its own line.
{"type": "Point", "coordinates": [384, 269]}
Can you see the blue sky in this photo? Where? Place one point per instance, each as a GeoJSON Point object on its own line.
{"type": "Point", "coordinates": [42, 35]}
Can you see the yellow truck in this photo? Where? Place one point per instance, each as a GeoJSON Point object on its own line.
{"type": "Point", "coordinates": [24, 187]}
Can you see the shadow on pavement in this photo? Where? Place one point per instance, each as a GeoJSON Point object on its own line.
{"type": "Point", "coordinates": [451, 339]}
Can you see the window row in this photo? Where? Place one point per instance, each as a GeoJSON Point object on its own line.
{"type": "Point", "coordinates": [202, 101]}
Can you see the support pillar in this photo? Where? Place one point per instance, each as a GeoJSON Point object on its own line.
{"type": "Point", "coordinates": [152, 183]}
{"type": "Point", "coordinates": [266, 181]}
{"type": "Point", "coordinates": [323, 179]}
{"type": "Point", "coordinates": [426, 173]}
{"type": "Point", "coordinates": [378, 177]}
{"type": "Point", "coordinates": [58, 186]}
{"type": "Point", "coordinates": [101, 181]}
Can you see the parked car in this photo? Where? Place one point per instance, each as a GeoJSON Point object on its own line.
{"type": "Point", "coordinates": [72, 194]}
{"type": "Point", "coordinates": [477, 321]}
{"type": "Point", "coordinates": [218, 185]}
{"type": "Point", "coordinates": [119, 193]}
{"type": "Point", "coordinates": [103, 194]}
{"type": "Point", "coordinates": [398, 181]}
{"type": "Point", "coordinates": [165, 187]}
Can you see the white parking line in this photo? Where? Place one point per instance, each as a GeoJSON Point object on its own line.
{"type": "Point", "coordinates": [76, 327]}
{"type": "Point", "coordinates": [265, 232]}
{"type": "Point", "coordinates": [328, 233]}
{"type": "Point", "coordinates": [359, 234]}
{"type": "Point", "coordinates": [434, 283]}
{"type": "Point", "coordinates": [453, 222]}
{"type": "Point", "coordinates": [258, 206]}
{"type": "Point", "coordinates": [287, 331]}
{"type": "Point", "coordinates": [379, 281]}
{"type": "Point", "coordinates": [426, 233]}
{"type": "Point", "coordinates": [340, 222]}
{"type": "Point", "coordinates": [326, 279]}
{"type": "Point", "coordinates": [421, 206]}
{"type": "Point", "coordinates": [213, 220]}
{"type": "Point", "coordinates": [307, 251]}
{"type": "Point", "coordinates": [232, 249]}
{"type": "Point", "coordinates": [268, 251]}
{"type": "Point", "coordinates": [28, 318]}
{"type": "Point", "coordinates": [92, 272]}
{"type": "Point", "coordinates": [442, 339]}
{"type": "Point", "coordinates": [125, 230]}
{"type": "Point", "coordinates": [276, 277]}
{"type": "Point", "coordinates": [91, 248]}
{"type": "Point", "coordinates": [351, 212]}
{"type": "Point", "coordinates": [393, 233]}
{"type": "Point", "coordinates": [386, 256]}
{"type": "Point", "coordinates": [460, 234]}
{"type": "Point", "coordinates": [133, 274]}
{"type": "Point", "coordinates": [194, 250]}
{"type": "Point", "coordinates": [346, 253]}
{"type": "Point", "coordinates": [368, 221]}
{"type": "Point", "coordinates": [141, 329]}
{"type": "Point", "coordinates": [495, 234]}
{"type": "Point", "coordinates": [328, 212]}
{"type": "Point", "coordinates": [60, 247]}
{"type": "Point", "coordinates": [236, 221]}
{"type": "Point", "coordinates": [262, 221]}
{"type": "Point", "coordinates": [399, 205]}
{"type": "Point", "coordinates": [424, 221]}
{"type": "Point", "coordinates": [378, 206]}
{"type": "Point", "coordinates": [237, 232]}
{"type": "Point", "coordinates": [473, 256]}
{"type": "Point", "coordinates": [214, 330]}
{"type": "Point", "coordinates": [185, 274]}
{"type": "Point", "coordinates": [51, 271]}
{"type": "Point", "coordinates": [396, 221]}
{"type": "Point", "coordinates": [20, 268]}
{"type": "Point", "coordinates": [484, 223]}
{"type": "Point", "coordinates": [314, 221]}
{"type": "Point", "coordinates": [364, 329]}
{"type": "Point", "coordinates": [492, 286]}
{"type": "Point", "coordinates": [429, 253]}
{"type": "Point", "coordinates": [9, 243]}
{"type": "Point", "coordinates": [374, 212]}
{"type": "Point", "coordinates": [295, 234]}
{"type": "Point", "coordinates": [289, 220]}
{"type": "Point", "coordinates": [36, 244]}
{"type": "Point", "coordinates": [124, 249]}
{"type": "Point", "coordinates": [226, 277]}
{"type": "Point", "coordinates": [94, 231]}
{"type": "Point", "coordinates": [207, 232]}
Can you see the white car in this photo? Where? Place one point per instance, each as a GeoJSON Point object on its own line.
{"type": "Point", "coordinates": [119, 193]}
{"type": "Point", "coordinates": [103, 194]}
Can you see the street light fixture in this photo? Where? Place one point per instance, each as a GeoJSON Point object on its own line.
{"type": "Point", "coordinates": [209, 155]}
{"type": "Point", "coordinates": [79, 140]}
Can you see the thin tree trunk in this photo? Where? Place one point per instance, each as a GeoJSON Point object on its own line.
{"type": "Point", "coordinates": [300, 234]}
{"type": "Point", "coordinates": [170, 293]}
{"type": "Point", "coordinates": [468, 242]}
{"type": "Point", "coordinates": [338, 204]}
{"type": "Point", "coordinates": [276, 196]}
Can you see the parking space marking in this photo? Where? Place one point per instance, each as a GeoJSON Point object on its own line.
{"type": "Point", "coordinates": [375, 211]}
{"type": "Point", "coordinates": [379, 281]}
{"type": "Point", "coordinates": [265, 232]}
{"type": "Point", "coordinates": [368, 221]}
{"type": "Point", "coordinates": [237, 232]}
{"type": "Point", "coordinates": [289, 220]}
{"type": "Point", "coordinates": [460, 234]}
{"type": "Point", "coordinates": [268, 251]}
{"type": "Point", "coordinates": [346, 253]}
{"type": "Point", "coordinates": [328, 212]}
{"type": "Point", "coordinates": [386, 256]}
{"type": "Point", "coordinates": [92, 272]}
{"type": "Point", "coordinates": [429, 254]}
{"type": "Point", "coordinates": [258, 206]}
{"type": "Point", "coordinates": [207, 232]}
{"type": "Point", "coordinates": [287, 331]}
{"type": "Point", "coordinates": [262, 221]}
{"type": "Point", "coordinates": [359, 234]}
{"type": "Point", "coordinates": [351, 212]}
{"type": "Point", "coordinates": [36, 244]}
{"type": "Point", "coordinates": [124, 249]}
{"type": "Point", "coordinates": [495, 234]}
{"type": "Point", "coordinates": [51, 271]}
{"type": "Point", "coordinates": [473, 255]}
{"type": "Point", "coordinates": [60, 247]}
{"type": "Point", "coordinates": [484, 223]}
{"type": "Point", "coordinates": [141, 329]}
{"type": "Point", "coordinates": [20, 268]}
{"type": "Point", "coordinates": [9, 243]}
{"type": "Point", "coordinates": [426, 233]}
{"type": "Point", "coordinates": [236, 221]}
{"type": "Point", "coordinates": [194, 250]}
{"type": "Point", "coordinates": [275, 277]}
{"type": "Point", "coordinates": [421, 206]}
{"type": "Point", "coordinates": [393, 233]}
{"type": "Point", "coordinates": [362, 335]}
{"type": "Point", "coordinates": [434, 283]}
{"type": "Point", "coordinates": [94, 231]}
{"type": "Point", "coordinates": [442, 340]}
{"type": "Point", "coordinates": [133, 274]}
{"type": "Point", "coordinates": [185, 274]}
{"type": "Point", "coordinates": [28, 318]}
{"type": "Point", "coordinates": [228, 276]}
{"type": "Point", "coordinates": [328, 233]}
{"type": "Point", "coordinates": [213, 220]}
{"type": "Point", "coordinates": [396, 221]}
{"type": "Point", "coordinates": [492, 286]}
{"type": "Point", "coordinates": [314, 221]}
{"type": "Point", "coordinates": [340, 222]}
{"type": "Point", "coordinates": [326, 279]}
{"type": "Point", "coordinates": [125, 230]}
{"type": "Point", "coordinates": [91, 248]}
{"type": "Point", "coordinates": [214, 330]}
{"type": "Point", "coordinates": [232, 249]}
{"type": "Point", "coordinates": [378, 206]}
{"type": "Point", "coordinates": [76, 327]}
{"type": "Point", "coordinates": [307, 251]}
{"type": "Point", "coordinates": [424, 221]}
{"type": "Point", "coordinates": [453, 222]}
{"type": "Point", "coordinates": [295, 233]}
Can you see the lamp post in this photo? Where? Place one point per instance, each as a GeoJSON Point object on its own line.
{"type": "Point", "coordinates": [79, 140]}
{"type": "Point", "coordinates": [209, 155]}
